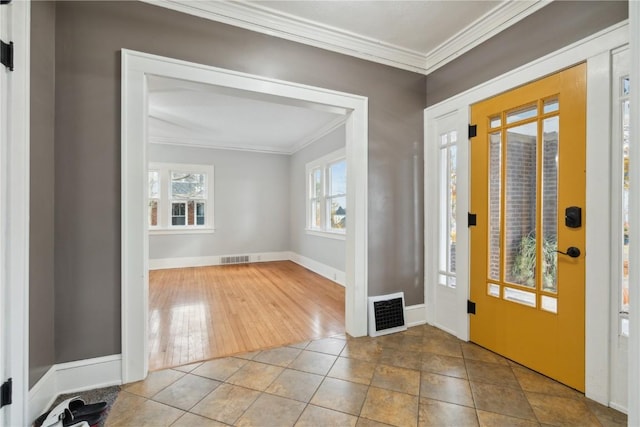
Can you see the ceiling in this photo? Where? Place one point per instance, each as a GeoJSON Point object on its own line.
{"type": "Point", "coordinates": [197, 114]}
{"type": "Point", "coordinates": [419, 36]}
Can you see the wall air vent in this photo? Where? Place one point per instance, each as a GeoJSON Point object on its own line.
{"type": "Point", "coordinates": [386, 314]}
{"type": "Point", "coordinates": [234, 259]}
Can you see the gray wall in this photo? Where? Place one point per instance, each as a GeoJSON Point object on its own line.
{"type": "Point", "coordinates": [328, 251]}
{"type": "Point", "coordinates": [554, 26]}
{"type": "Point", "coordinates": [41, 235]}
{"type": "Point", "coordinates": [251, 203]}
{"type": "Point", "coordinates": [89, 37]}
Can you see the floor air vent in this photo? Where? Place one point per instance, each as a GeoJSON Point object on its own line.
{"type": "Point", "coordinates": [386, 314]}
{"type": "Point", "coordinates": [235, 259]}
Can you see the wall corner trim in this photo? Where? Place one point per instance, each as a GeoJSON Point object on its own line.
{"type": "Point", "coordinates": [73, 377]}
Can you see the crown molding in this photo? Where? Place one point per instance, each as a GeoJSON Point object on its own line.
{"type": "Point", "coordinates": [267, 21]}
{"type": "Point", "coordinates": [500, 18]}
{"type": "Point", "coordinates": [323, 131]}
{"type": "Point", "coordinates": [216, 145]}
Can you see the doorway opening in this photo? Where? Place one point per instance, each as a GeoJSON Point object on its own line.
{"type": "Point", "coordinates": [229, 246]}
{"type": "Point", "coordinates": [136, 67]}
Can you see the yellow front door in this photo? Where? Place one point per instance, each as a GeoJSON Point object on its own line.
{"type": "Point", "coordinates": [528, 247]}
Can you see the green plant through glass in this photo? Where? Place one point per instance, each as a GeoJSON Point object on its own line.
{"type": "Point", "coordinates": [524, 265]}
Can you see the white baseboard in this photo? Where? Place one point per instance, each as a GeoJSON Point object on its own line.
{"type": "Point", "coordinates": [415, 315]}
{"type": "Point", "coordinates": [73, 377]}
{"type": "Point", "coordinates": [203, 261]}
{"type": "Point", "coordinates": [322, 269]}
{"type": "Point", "coordinates": [317, 267]}
{"type": "Point", "coordinates": [618, 407]}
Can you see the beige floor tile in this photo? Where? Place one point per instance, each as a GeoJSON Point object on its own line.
{"type": "Point", "coordinates": [608, 417]}
{"type": "Point", "coordinates": [444, 365]}
{"type": "Point", "coordinates": [282, 356]}
{"type": "Point", "coordinates": [397, 379]}
{"type": "Point", "coordinates": [125, 404]}
{"type": "Point", "coordinates": [220, 369]}
{"type": "Point", "coordinates": [490, 419]}
{"type": "Point", "coordinates": [443, 346]}
{"type": "Point", "coordinates": [501, 400]}
{"type": "Point", "coordinates": [403, 359]}
{"type": "Point", "coordinates": [434, 413]}
{"type": "Point", "coordinates": [412, 343]}
{"type": "Point", "coordinates": [446, 389]}
{"type": "Point", "coordinates": [186, 392]}
{"type": "Point", "coordinates": [149, 414]}
{"type": "Point", "coordinates": [358, 371]}
{"type": "Point", "coordinates": [271, 411]}
{"type": "Point", "coordinates": [193, 420]}
{"type": "Point", "coordinates": [314, 416]}
{"type": "Point", "coordinates": [327, 345]}
{"type": "Point", "coordinates": [301, 345]}
{"type": "Point", "coordinates": [475, 352]}
{"type": "Point", "coordinates": [561, 410]}
{"type": "Point", "coordinates": [363, 349]}
{"type": "Point", "coordinates": [254, 375]}
{"type": "Point", "coordinates": [430, 332]}
{"type": "Point", "coordinates": [295, 385]}
{"type": "Point", "coordinates": [391, 341]}
{"type": "Point", "coordinates": [491, 373]}
{"type": "Point", "coordinates": [340, 395]}
{"type": "Point", "coordinates": [538, 383]}
{"type": "Point", "coordinates": [226, 403]}
{"type": "Point", "coordinates": [313, 362]}
{"type": "Point", "coordinates": [365, 422]}
{"type": "Point", "coordinates": [390, 407]}
{"type": "Point", "coordinates": [188, 368]}
{"type": "Point", "coordinates": [247, 356]}
{"type": "Point", "coordinates": [154, 382]}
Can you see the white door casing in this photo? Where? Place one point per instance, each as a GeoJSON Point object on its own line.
{"type": "Point", "coordinates": [135, 67]}
{"type": "Point", "coordinates": [595, 50]}
{"type": "Point", "coordinates": [14, 211]}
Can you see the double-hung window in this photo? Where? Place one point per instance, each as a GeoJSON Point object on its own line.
{"type": "Point", "coordinates": [327, 194]}
{"type": "Point", "coordinates": [180, 197]}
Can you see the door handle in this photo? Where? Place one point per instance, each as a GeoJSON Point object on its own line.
{"type": "Point", "coordinates": [572, 251]}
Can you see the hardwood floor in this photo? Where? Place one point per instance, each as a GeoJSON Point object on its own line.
{"type": "Point", "coordinates": [206, 312]}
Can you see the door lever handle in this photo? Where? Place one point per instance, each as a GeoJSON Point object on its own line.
{"type": "Point", "coordinates": [572, 251]}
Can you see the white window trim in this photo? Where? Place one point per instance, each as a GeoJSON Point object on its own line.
{"type": "Point", "coordinates": [165, 200]}
{"type": "Point", "coordinates": [322, 163]}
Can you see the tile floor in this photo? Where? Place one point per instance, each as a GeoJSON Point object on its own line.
{"type": "Point", "coordinates": [421, 377]}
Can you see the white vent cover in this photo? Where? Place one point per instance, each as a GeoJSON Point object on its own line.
{"type": "Point", "coordinates": [386, 314]}
{"type": "Point", "coordinates": [235, 259]}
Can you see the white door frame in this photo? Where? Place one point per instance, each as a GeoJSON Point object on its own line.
{"type": "Point", "coordinates": [634, 212]}
{"type": "Point", "coordinates": [135, 67]}
{"type": "Point", "coordinates": [14, 214]}
{"type": "Point", "coordinates": [596, 51]}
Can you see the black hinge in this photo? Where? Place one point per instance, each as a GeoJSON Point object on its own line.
{"type": "Point", "coordinates": [471, 219]}
{"type": "Point", "coordinates": [471, 307]}
{"type": "Point", "coordinates": [6, 393]}
{"type": "Point", "coordinates": [6, 54]}
{"type": "Point", "coordinates": [5, 1]}
{"type": "Point", "coordinates": [473, 131]}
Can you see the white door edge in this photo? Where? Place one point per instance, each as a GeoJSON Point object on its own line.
{"type": "Point", "coordinates": [15, 215]}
